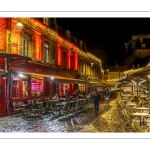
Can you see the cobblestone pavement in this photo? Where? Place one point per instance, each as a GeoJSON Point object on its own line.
{"type": "Point", "coordinates": [109, 119]}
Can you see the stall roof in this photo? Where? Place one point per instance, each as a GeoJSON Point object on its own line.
{"type": "Point", "coordinates": [138, 77]}
{"type": "Point", "coordinates": [101, 82]}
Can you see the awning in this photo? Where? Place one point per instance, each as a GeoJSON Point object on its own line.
{"type": "Point", "coordinates": [12, 57]}
{"type": "Point", "coordinates": [101, 82]}
{"type": "Point", "coordinates": [58, 79]}
{"type": "Point", "coordinates": [68, 80]}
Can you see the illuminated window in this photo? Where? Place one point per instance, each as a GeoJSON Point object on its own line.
{"type": "Point", "coordinates": [81, 66]}
{"type": "Point", "coordinates": [46, 52]}
{"type": "Point", "coordinates": [15, 88]}
{"type": "Point", "coordinates": [143, 45]}
{"type": "Point", "coordinates": [82, 89]}
{"type": "Point", "coordinates": [20, 87]}
{"type": "Point", "coordinates": [26, 44]}
{"type": "Point", "coordinates": [25, 88]}
{"type": "Point", "coordinates": [141, 40]}
{"type": "Point", "coordinates": [37, 85]}
{"type": "Point", "coordinates": [49, 52]}
{"type": "Point", "coordinates": [46, 21]}
{"type": "Point", "coordinates": [112, 78]}
{"type": "Point", "coordinates": [52, 52]}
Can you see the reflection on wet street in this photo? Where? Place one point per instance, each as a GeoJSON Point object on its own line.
{"type": "Point", "coordinates": [109, 119]}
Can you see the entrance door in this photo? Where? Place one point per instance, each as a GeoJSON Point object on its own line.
{"type": "Point", "coordinates": [53, 89]}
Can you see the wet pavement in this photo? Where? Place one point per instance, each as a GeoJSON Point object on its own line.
{"type": "Point", "coordinates": [109, 119]}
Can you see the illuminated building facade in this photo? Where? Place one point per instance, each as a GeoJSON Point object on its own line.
{"type": "Point", "coordinates": [137, 57]}
{"type": "Point", "coordinates": [36, 62]}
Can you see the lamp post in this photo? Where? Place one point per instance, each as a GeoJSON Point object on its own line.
{"type": "Point", "coordinates": [19, 27]}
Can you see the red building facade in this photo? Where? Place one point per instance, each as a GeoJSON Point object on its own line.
{"type": "Point", "coordinates": [34, 62]}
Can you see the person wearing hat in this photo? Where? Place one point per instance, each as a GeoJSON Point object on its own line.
{"type": "Point", "coordinates": [96, 97]}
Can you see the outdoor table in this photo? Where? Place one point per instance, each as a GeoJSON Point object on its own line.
{"type": "Point", "coordinates": [125, 98]}
{"type": "Point", "coordinates": [61, 104]}
{"type": "Point", "coordinates": [23, 105]}
{"type": "Point", "coordinates": [142, 108]}
{"type": "Point", "coordinates": [124, 101]}
{"type": "Point", "coordinates": [39, 102]}
{"type": "Point", "coordinates": [140, 115]}
{"type": "Point", "coordinates": [63, 99]}
{"type": "Point", "coordinates": [131, 103]}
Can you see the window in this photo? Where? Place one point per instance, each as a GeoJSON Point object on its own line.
{"type": "Point", "coordinates": [25, 88]}
{"type": "Point", "coordinates": [143, 45]}
{"type": "Point", "coordinates": [37, 85]}
{"type": "Point", "coordinates": [26, 44]}
{"type": "Point", "coordinates": [46, 21]}
{"type": "Point", "coordinates": [52, 53]}
{"type": "Point", "coordinates": [81, 66]}
{"type": "Point", "coordinates": [15, 88]}
{"type": "Point", "coordinates": [20, 87]}
{"type": "Point", "coordinates": [143, 54]}
{"type": "Point", "coordinates": [46, 52]}
{"type": "Point", "coordinates": [71, 62]}
{"type": "Point", "coordinates": [82, 88]}
{"type": "Point", "coordinates": [64, 60]}
{"type": "Point", "coordinates": [141, 40]}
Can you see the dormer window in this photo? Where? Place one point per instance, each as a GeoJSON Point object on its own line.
{"type": "Point", "coordinates": [81, 44]}
{"type": "Point", "coordinates": [67, 34]}
{"type": "Point", "coordinates": [143, 45]}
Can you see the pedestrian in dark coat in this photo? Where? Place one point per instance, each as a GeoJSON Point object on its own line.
{"type": "Point", "coordinates": [96, 97]}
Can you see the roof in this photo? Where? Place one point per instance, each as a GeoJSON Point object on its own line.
{"type": "Point", "coordinates": [114, 69]}
{"type": "Point", "coordinates": [139, 62]}
{"type": "Point", "coordinates": [140, 76]}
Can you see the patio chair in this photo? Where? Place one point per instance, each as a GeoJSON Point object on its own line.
{"type": "Point", "coordinates": [17, 108]}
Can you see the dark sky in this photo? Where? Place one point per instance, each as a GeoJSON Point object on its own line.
{"type": "Point", "coordinates": [104, 37]}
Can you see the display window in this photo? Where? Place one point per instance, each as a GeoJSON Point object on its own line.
{"type": "Point", "coordinates": [20, 86]}
{"type": "Point", "coordinates": [37, 84]}
{"type": "Point", "coordinates": [82, 88]}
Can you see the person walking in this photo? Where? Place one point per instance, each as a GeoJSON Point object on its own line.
{"type": "Point", "coordinates": [107, 96]}
{"type": "Point", "coordinates": [96, 97]}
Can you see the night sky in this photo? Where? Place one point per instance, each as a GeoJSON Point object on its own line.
{"type": "Point", "coordinates": [104, 37]}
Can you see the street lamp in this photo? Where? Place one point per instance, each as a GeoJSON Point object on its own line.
{"type": "Point", "coordinates": [19, 25]}
{"type": "Point", "coordinates": [92, 64]}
